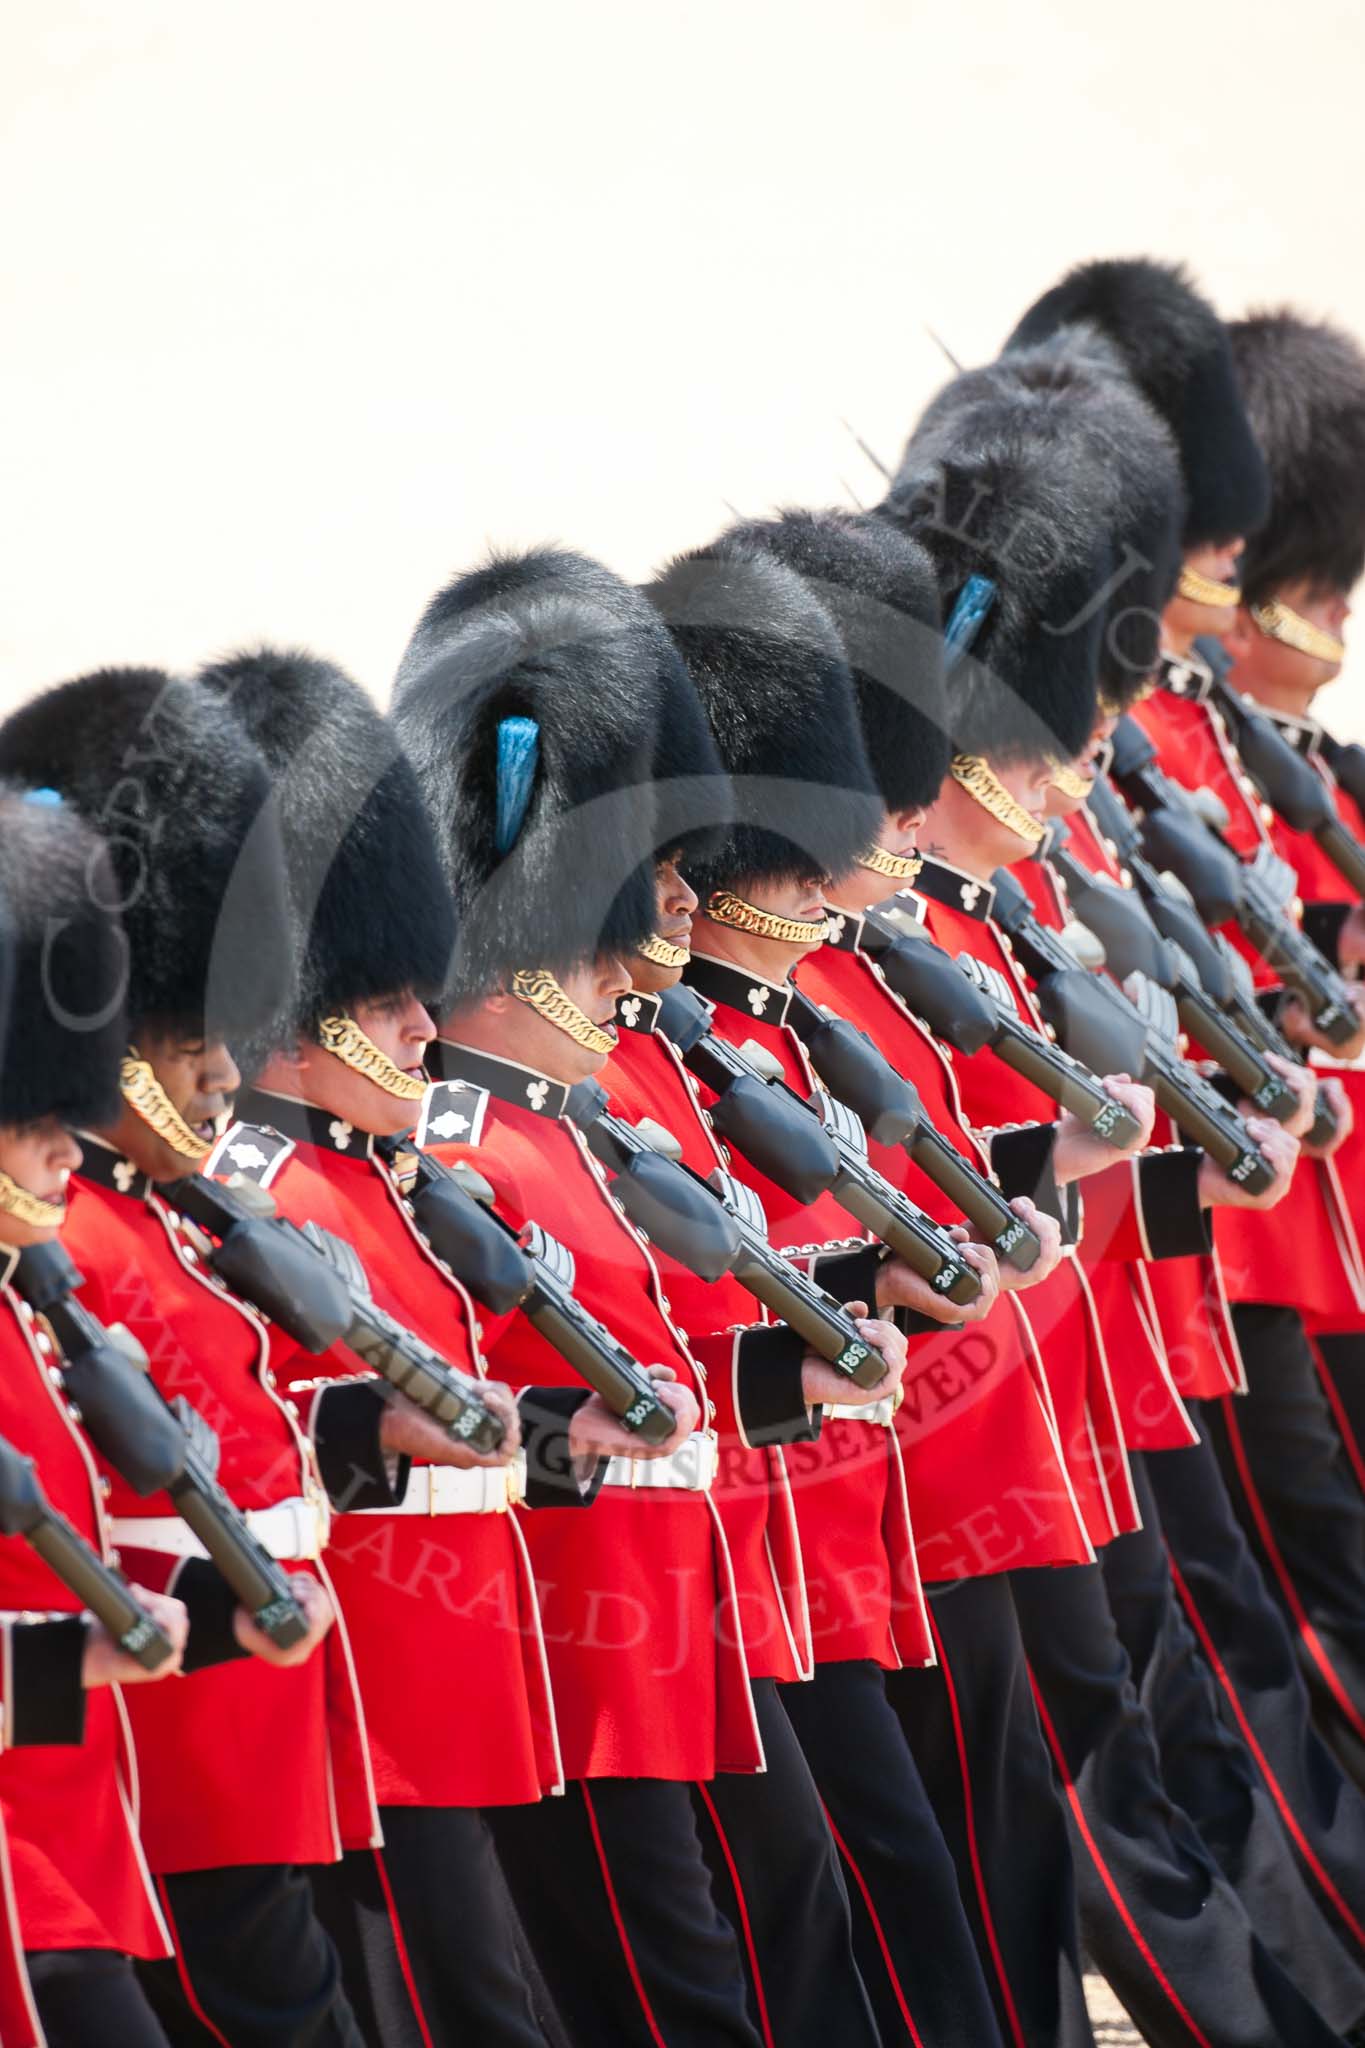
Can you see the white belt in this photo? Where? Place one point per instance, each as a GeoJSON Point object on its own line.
{"type": "Point", "coordinates": [689, 1469]}
{"type": "Point", "coordinates": [291, 1530]}
{"type": "Point", "coordinates": [879, 1412]}
{"type": "Point", "coordinates": [448, 1490]}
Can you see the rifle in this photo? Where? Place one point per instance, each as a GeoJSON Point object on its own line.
{"type": "Point", "coordinates": [742, 1115]}
{"type": "Point", "coordinates": [889, 1109]}
{"type": "Point", "coordinates": [1225, 975]}
{"type": "Point", "coordinates": [532, 1271]}
{"type": "Point", "coordinates": [1133, 945]}
{"type": "Point", "coordinates": [1288, 784]}
{"type": "Point", "coordinates": [26, 1511]}
{"type": "Point", "coordinates": [970, 1007]}
{"type": "Point", "coordinates": [1138, 1036]}
{"type": "Point", "coordinates": [315, 1288]}
{"type": "Point", "coordinates": [151, 1445]}
{"type": "Point", "coordinates": [1225, 889]}
{"type": "Point", "coordinates": [715, 1226]}
{"type": "Point", "coordinates": [1346, 759]}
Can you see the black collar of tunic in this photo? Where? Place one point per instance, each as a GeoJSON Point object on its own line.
{"type": "Point", "coordinates": [767, 1002]}
{"type": "Point", "coordinates": [943, 883]}
{"type": "Point", "coordinates": [506, 1080]}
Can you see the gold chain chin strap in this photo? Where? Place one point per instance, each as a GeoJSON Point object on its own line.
{"type": "Point", "coordinates": [538, 987]}
{"type": "Point", "coordinates": [1278, 622]}
{"type": "Point", "coordinates": [1203, 590]}
{"type": "Point", "coordinates": [1071, 782]}
{"type": "Point", "coordinates": [980, 781]}
{"type": "Point", "coordinates": [344, 1037]}
{"type": "Point", "coordinates": [663, 952]}
{"type": "Point", "coordinates": [145, 1095]}
{"type": "Point", "coordinates": [724, 907]}
{"type": "Point", "coordinates": [897, 867]}
{"type": "Point", "coordinates": [28, 1208]}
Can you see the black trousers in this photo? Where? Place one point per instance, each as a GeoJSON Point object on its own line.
{"type": "Point", "coordinates": [1208, 1769]}
{"type": "Point", "coordinates": [775, 1873]}
{"type": "Point", "coordinates": [1303, 1513]}
{"type": "Point", "coordinates": [252, 1965]}
{"type": "Point", "coordinates": [973, 1729]}
{"type": "Point", "coordinates": [1158, 1916]}
{"type": "Point", "coordinates": [1246, 1643]}
{"type": "Point", "coordinates": [913, 1938]}
{"type": "Point", "coordinates": [613, 1889]}
{"type": "Point", "coordinates": [91, 1998]}
{"type": "Point", "coordinates": [430, 1947]}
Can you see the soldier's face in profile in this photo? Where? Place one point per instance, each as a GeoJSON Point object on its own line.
{"type": "Point", "coordinates": [676, 907]}
{"type": "Point", "coordinates": [199, 1078]}
{"type": "Point", "coordinates": [38, 1157]}
{"type": "Point", "coordinates": [1280, 677]}
{"type": "Point", "coordinates": [402, 1028]}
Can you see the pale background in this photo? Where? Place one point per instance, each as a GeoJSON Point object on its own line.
{"type": "Point", "coordinates": [302, 306]}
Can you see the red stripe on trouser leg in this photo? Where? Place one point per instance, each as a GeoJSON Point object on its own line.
{"type": "Point", "coordinates": [401, 1949]}
{"type": "Point", "coordinates": [978, 1875]}
{"type": "Point", "coordinates": [182, 1971]}
{"type": "Point", "coordinates": [1135, 1934]}
{"type": "Point", "coordinates": [882, 1944]}
{"type": "Point", "coordinates": [745, 1929]}
{"type": "Point", "coordinates": [1349, 1442]}
{"type": "Point", "coordinates": [1296, 1834]}
{"type": "Point", "coordinates": [621, 1935]}
{"type": "Point", "coordinates": [1312, 1640]}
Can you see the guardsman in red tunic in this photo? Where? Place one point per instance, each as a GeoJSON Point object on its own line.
{"type": "Point", "coordinates": [774, 677]}
{"type": "Point", "coordinates": [541, 698]}
{"type": "Point", "coordinates": [1025, 633]}
{"type": "Point", "coordinates": [427, 1556]}
{"type": "Point", "coordinates": [1276, 1446]}
{"type": "Point", "coordinates": [182, 796]}
{"type": "Point", "coordinates": [75, 1896]}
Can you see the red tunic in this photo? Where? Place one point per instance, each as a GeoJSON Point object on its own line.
{"type": "Point", "coordinates": [1304, 1250]}
{"type": "Point", "coordinates": [77, 1878]}
{"type": "Point", "coordinates": [1061, 1310]}
{"type": "Point", "coordinates": [645, 1078]}
{"type": "Point", "coordinates": [638, 1599]}
{"type": "Point", "coordinates": [242, 1762]}
{"type": "Point", "coordinates": [441, 1608]}
{"type": "Point", "coordinates": [862, 1572]}
{"type": "Point", "coordinates": [987, 1481]}
{"type": "Point", "coordinates": [1321, 882]}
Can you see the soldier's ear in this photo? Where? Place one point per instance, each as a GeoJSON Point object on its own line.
{"type": "Point", "coordinates": [1241, 634]}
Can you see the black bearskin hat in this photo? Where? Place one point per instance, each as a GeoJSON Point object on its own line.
{"type": "Point", "coordinates": [880, 589]}
{"type": "Point", "coordinates": [532, 700]}
{"type": "Point", "coordinates": [181, 797]}
{"type": "Point", "coordinates": [371, 913]}
{"type": "Point", "coordinates": [1076, 386]}
{"type": "Point", "coordinates": [63, 1032]}
{"type": "Point", "coordinates": [1002, 495]}
{"type": "Point", "coordinates": [1176, 350]}
{"type": "Point", "coordinates": [1303, 382]}
{"type": "Point", "coordinates": [774, 681]}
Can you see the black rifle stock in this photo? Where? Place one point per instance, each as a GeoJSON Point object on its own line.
{"type": "Point", "coordinates": [717, 1226]}
{"type": "Point", "coordinates": [146, 1442]}
{"type": "Point", "coordinates": [1226, 889]}
{"type": "Point", "coordinates": [1095, 1018]}
{"type": "Point", "coordinates": [743, 1117]}
{"type": "Point", "coordinates": [531, 1271]}
{"type": "Point", "coordinates": [967, 1016]}
{"type": "Point", "coordinates": [1289, 785]}
{"type": "Point", "coordinates": [26, 1511]}
{"type": "Point", "coordinates": [889, 1109]}
{"type": "Point", "coordinates": [315, 1289]}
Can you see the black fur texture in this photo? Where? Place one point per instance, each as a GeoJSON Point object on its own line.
{"type": "Point", "coordinates": [163, 773]}
{"type": "Point", "coordinates": [63, 1029]}
{"type": "Point", "coordinates": [552, 636]}
{"type": "Point", "coordinates": [880, 589]}
{"type": "Point", "coordinates": [1076, 386]}
{"type": "Point", "coordinates": [1008, 492]}
{"type": "Point", "coordinates": [1177, 353]}
{"type": "Point", "coordinates": [371, 914]}
{"type": "Point", "coordinates": [1303, 382]}
{"type": "Point", "coordinates": [770, 669]}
